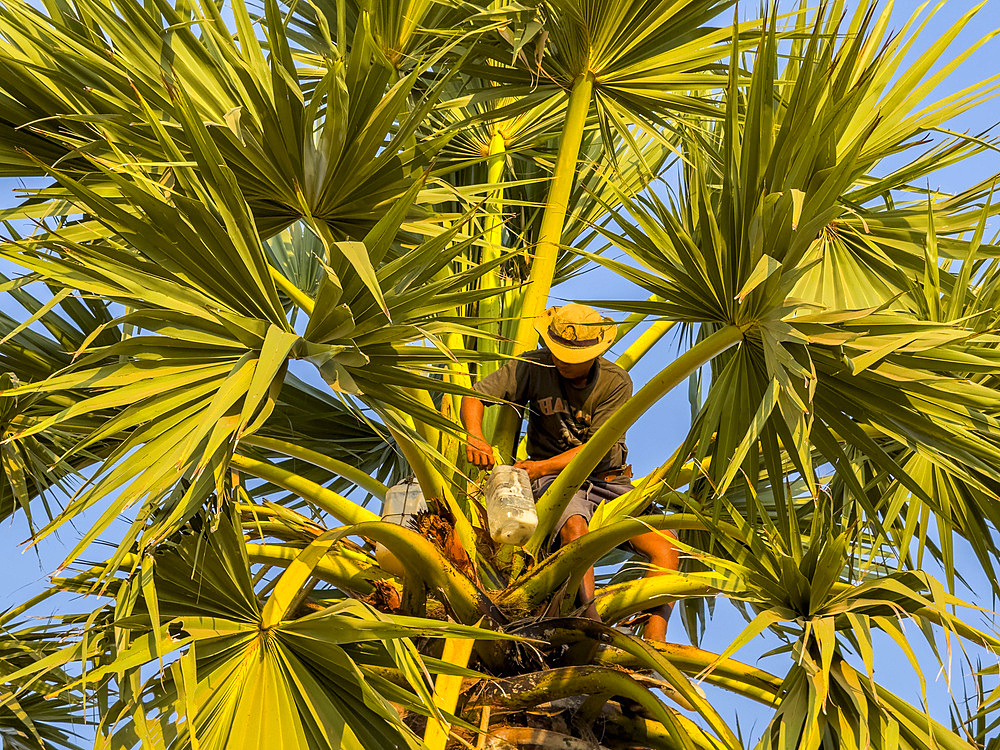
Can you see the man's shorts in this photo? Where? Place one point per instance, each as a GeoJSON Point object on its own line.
{"type": "Point", "coordinates": [586, 499]}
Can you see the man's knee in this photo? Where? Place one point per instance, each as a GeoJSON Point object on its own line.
{"type": "Point", "coordinates": [574, 528]}
{"type": "Point", "coordinates": [657, 546]}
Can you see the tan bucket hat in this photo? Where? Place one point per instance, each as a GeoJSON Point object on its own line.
{"type": "Point", "coordinates": [575, 333]}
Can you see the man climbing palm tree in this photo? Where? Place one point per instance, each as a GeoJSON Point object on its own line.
{"type": "Point", "coordinates": [570, 390]}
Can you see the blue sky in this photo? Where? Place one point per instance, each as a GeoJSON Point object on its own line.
{"type": "Point", "coordinates": [665, 426]}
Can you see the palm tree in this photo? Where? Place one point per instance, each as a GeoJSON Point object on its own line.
{"type": "Point", "coordinates": [272, 254]}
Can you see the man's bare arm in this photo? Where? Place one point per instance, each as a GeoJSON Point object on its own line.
{"type": "Point", "coordinates": [546, 466]}
{"type": "Point", "coordinates": [480, 453]}
{"type": "Point", "coordinates": [477, 450]}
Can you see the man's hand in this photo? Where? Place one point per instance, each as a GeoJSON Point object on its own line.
{"type": "Point", "coordinates": [479, 452]}
{"type": "Point", "coordinates": [535, 469]}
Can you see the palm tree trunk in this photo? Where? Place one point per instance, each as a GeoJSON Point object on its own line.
{"type": "Point", "coordinates": [447, 688]}
{"type": "Point", "coordinates": [526, 691]}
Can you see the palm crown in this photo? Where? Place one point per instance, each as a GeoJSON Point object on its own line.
{"type": "Point", "coordinates": [382, 194]}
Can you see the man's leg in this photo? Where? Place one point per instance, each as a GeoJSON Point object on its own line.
{"type": "Point", "coordinates": [663, 559]}
{"type": "Point", "coordinates": [574, 528]}
{"type": "Point", "coordinates": [572, 525]}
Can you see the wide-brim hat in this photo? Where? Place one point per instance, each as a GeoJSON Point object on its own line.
{"type": "Point", "coordinates": [575, 333]}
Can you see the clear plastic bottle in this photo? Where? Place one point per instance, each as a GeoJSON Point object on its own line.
{"type": "Point", "coordinates": [510, 506]}
{"type": "Point", "coordinates": [402, 502]}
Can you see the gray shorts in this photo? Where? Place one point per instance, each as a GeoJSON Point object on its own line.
{"type": "Point", "coordinates": [586, 499]}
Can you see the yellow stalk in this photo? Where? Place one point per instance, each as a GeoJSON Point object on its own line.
{"type": "Point", "coordinates": [429, 479]}
{"type": "Point", "coordinates": [491, 309]}
{"type": "Point", "coordinates": [458, 374]}
{"type": "Point", "coordinates": [296, 295]}
{"type": "Point", "coordinates": [451, 405]}
{"type": "Point", "coordinates": [493, 239]}
{"type": "Point", "coordinates": [730, 674]}
{"type": "Point", "coordinates": [334, 569]}
{"type": "Point", "coordinates": [449, 443]}
{"type": "Point", "coordinates": [644, 343]}
{"type": "Point", "coordinates": [634, 319]}
{"type": "Point", "coordinates": [504, 432]}
{"type": "Point", "coordinates": [621, 600]}
{"type": "Point", "coordinates": [326, 499]}
{"type": "Point", "coordinates": [430, 434]}
{"type": "Point", "coordinates": [447, 687]}
{"type": "Point", "coordinates": [543, 265]}
{"type": "Point", "coordinates": [348, 472]}
{"type": "Point", "coordinates": [432, 484]}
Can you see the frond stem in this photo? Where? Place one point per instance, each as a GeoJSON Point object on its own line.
{"type": "Point", "coordinates": [296, 295]}
{"type": "Point", "coordinates": [325, 499]}
{"type": "Point", "coordinates": [351, 473]}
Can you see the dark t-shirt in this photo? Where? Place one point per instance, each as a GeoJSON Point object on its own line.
{"type": "Point", "coordinates": [561, 416]}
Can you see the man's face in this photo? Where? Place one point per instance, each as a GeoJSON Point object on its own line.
{"type": "Point", "coordinates": [572, 371]}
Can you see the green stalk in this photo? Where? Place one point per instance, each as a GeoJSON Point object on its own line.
{"type": "Point", "coordinates": [287, 515]}
{"type": "Point", "coordinates": [432, 484]}
{"type": "Point", "coordinates": [679, 687]}
{"type": "Point", "coordinates": [729, 674]}
{"type": "Point", "coordinates": [644, 343]}
{"type": "Point", "coordinates": [685, 694]}
{"type": "Point", "coordinates": [551, 505]}
{"type": "Point", "coordinates": [684, 475]}
{"type": "Point", "coordinates": [491, 309]}
{"type": "Point", "coordinates": [450, 445]}
{"type": "Point", "coordinates": [333, 569]}
{"type": "Point", "coordinates": [430, 434]}
{"type": "Point", "coordinates": [543, 265]}
{"type": "Point", "coordinates": [617, 602]}
{"type": "Point", "coordinates": [640, 732]}
{"type": "Point", "coordinates": [345, 470]}
{"type": "Point", "coordinates": [451, 404]}
{"type": "Point", "coordinates": [273, 530]}
{"type": "Point", "coordinates": [504, 432]}
{"type": "Point", "coordinates": [429, 479]}
{"type": "Point", "coordinates": [458, 373]}
{"type": "Point", "coordinates": [422, 559]}
{"type": "Point", "coordinates": [571, 561]}
{"type": "Point", "coordinates": [296, 295]}
{"type": "Point", "coordinates": [325, 499]}
{"type": "Point", "coordinates": [493, 236]}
